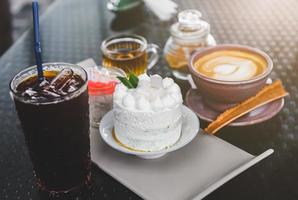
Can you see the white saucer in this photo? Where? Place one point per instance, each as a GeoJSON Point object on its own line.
{"type": "Point", "coordinates": [190, 128]}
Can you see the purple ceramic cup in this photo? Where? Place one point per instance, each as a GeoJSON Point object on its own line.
{"type": "Point", "coordinates": [220, 95]}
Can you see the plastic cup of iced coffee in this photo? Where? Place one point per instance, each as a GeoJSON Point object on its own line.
{"type": "Point", "coordinates": [54, 116]}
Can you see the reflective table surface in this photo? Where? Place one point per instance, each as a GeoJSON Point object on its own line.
{"type": "Point", "coordinates": [72, 30]}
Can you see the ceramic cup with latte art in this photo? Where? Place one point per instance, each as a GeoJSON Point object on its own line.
{"type": "Point", "coordinates": [229, 74]}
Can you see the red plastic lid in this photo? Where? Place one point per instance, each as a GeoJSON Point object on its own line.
{"type": "Point", "coordinates": [101, 88]}
{"type": "Point", "coordinates": [102, 81]}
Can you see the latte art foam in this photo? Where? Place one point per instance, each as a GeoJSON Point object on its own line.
{"type": "Point", "coordinates": [231, 65]}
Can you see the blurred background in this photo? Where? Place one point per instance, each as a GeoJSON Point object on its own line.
{"type": "Point", "coordinates": [15, 18]}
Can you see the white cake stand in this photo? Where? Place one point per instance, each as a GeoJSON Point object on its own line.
{"type": "Point", "coordinates": [190, 128]}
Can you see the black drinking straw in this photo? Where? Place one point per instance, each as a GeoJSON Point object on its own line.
{"type": "Point", "coordinates": [37, 45]}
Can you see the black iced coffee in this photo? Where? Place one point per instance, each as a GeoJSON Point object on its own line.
{"type": "Point", "coordinates": [54, 115]}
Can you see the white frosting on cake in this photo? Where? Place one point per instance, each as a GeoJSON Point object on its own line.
{"type": "Point", "coordinates": [148, 117]}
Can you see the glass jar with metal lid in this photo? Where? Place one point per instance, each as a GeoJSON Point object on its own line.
{"type": "Point", "coordinates": [189, 34]}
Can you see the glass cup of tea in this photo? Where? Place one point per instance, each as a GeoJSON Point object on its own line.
{"type": "Point", "coordinates": [131, 53]}
{"type": "Point", "coordinates": [54, 116]}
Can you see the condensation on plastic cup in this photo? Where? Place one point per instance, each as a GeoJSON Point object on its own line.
{"type": "Point", "coordinates": [101, 85]}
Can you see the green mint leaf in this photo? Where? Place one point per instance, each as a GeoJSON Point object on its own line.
{"type": "Point", "coordinates": [134, 80]}
{"type": "Point", "coordinates": [125, 82]}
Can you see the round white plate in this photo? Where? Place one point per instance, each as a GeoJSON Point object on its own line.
{"type": "Point", "coordinates": [190, 128]}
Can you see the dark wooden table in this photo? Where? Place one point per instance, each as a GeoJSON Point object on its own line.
{"type": "Point", "coordinates": [72, 30]}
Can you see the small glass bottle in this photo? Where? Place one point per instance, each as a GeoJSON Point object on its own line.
{"type": "Point", "coordinates": [101, 86]}
{"type": "Point", "coordinates": [190, 33]}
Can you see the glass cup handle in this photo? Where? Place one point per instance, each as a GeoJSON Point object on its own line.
{"type": "Point", "coordinates": [11, 96]}
{"type": "Point", "coordinates": [153, 52]}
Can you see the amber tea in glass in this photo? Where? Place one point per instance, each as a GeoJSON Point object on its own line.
{"type": "Point", "coordinates": [130, 53]}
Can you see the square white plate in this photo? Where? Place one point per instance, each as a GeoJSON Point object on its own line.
{"type": "Point", "coordinates": [189, 173]}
